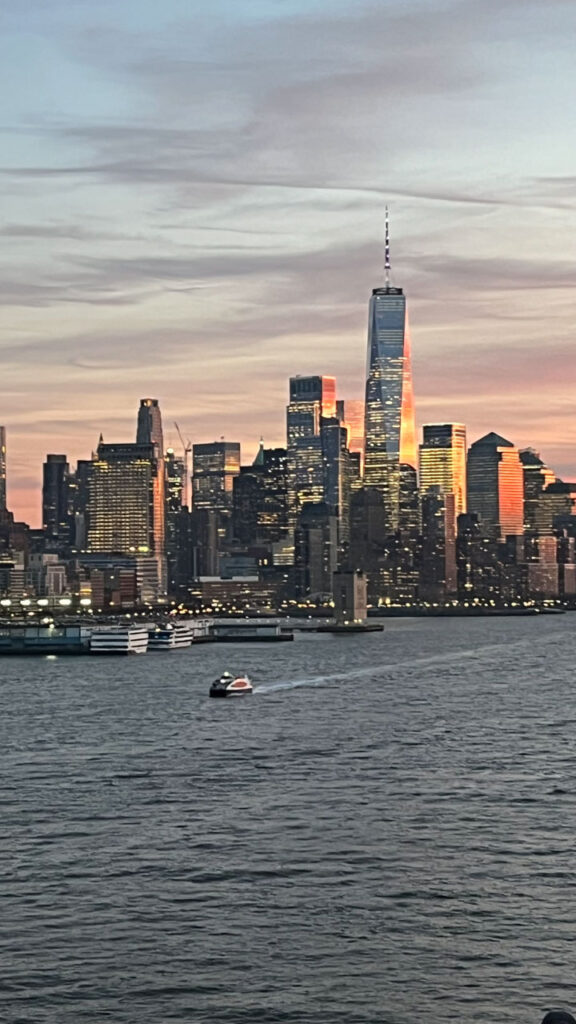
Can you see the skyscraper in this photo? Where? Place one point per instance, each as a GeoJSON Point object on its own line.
{"type": "Point", "coordinates": [126, 506]}
{"type": "Point", "coordinates": [56, 497]}
{"type": "Point", "coordinates": [312, 400]}
{"type": "Point", "coordinates": [214, 467]}
{"type": "Point", "coordinates": [2, 469]}
{"type": "Point", "coordinates": [496, 486]}
{"type": "Point", "coordinates": [390, 431]}
{"type": "Point", "coordinates": [443, 461]}
{"type": "Point", "coordinates": [149, 430]}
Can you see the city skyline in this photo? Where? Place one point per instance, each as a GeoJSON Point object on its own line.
{"type": "Point", "coordinates": [149, 241]}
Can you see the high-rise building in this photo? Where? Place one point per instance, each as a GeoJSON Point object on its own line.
{"type": "Point", "coordinates": [350, 412]}
{"type": "Point", "coordinates": [443, 461]}
{"type": "Point", "coordinates": [260, 499]}
{"type": "Point", "coordinates": [56, 497]}
{"type": "Point", "coordinates": [537, 476]}
{"type": "Point", "coordinates": [316, 551]}
{"type": "Point", "coordinates": [214, 467]}
{"type": "Point", "coordinates": [149, 429]}
{"type": "Point", "coordinates": [438, 576]}
{"type": "Point", "coordinates": [496, 486]}
{"type": "Point", "coordinates": [126, 506]}
{"type": "Point", "coordinates": [390, 431]}
{"type": "Point", "coordinates": [312, 400]}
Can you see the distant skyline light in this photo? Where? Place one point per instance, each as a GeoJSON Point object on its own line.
{"type": "Point", "coordinates": [192, 207]}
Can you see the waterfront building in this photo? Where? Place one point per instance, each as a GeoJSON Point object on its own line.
{"type": "Point", "coordinates": [496, 486]}
{"type": "Point", "coordinates": [390, 431]}
{"type": "Point", "coordinates": [438, 576]}
{"type": "Point", "coordinates": [315, 552]}
{"type": "Point", "coordinates": [178, 525]}
{"type": "Point", "coordinates": [443, 461]}
{"type": "Point", "coordinates": [127, 511]}
{"type": "Point", "coordinates": [2, 469]}
{"type": "Point", "coordinates": [56, 497]}
{"type": "Point", "coordinates": [476, 561]}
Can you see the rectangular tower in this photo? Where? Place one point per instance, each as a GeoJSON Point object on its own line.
{"type": "Point", "coordinates": [56, 497]}
{"type": "Point", "coordinates": [126, 504]}
{"type": "Point", "coordinates": [389, 431]}
{"type": "Point", "coordinates": [443, 461]}
{"type": "Point", "coordinates": [312, 400]}
{"type": "Point", "coordinates": [214, 467]}
{"type": "Point", "coordinates": [496, 486]}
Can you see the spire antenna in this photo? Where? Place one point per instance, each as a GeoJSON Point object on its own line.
{"type": "Point", "coordinates": [387, 252]}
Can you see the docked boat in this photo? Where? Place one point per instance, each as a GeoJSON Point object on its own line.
{"type": "Point", "coordinates": [231, 686]}
{"type": "Point", "coordinates": [119, 640]}
{"type": "Point", "coordinates": [170, 636]}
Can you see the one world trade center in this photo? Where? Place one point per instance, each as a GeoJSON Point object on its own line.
{"type": "Point", "coordinates": [390, 431]}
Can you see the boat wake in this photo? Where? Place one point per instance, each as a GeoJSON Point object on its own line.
{"type": "Point", "coordinates": [395, 667]}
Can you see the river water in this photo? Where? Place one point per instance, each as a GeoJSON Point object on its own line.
{"type": "Point", "coordinates": [384, 832]}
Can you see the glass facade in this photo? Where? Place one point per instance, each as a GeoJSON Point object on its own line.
{"type": "Point", "coordinates": [496, 486]}
{"type": "Point", "coordinates": [56, 496]}
{"type": "Point", "coordinates": [312, 400]}
{"type": "Point", "coordinates": [126, 503]}
{"type": "Point", "coordinates": [443, 461]}
{"type": "Point", "coordinates": [214, 467]}
{"type": "Point", "coordinates": [390, 431]}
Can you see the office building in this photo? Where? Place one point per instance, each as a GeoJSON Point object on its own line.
{"type": "Point", "coordinates": [127, 512]}
{"type": "Point", "coordinates": [56, 498]}
{"type": "Point", "coordinates": [438, 575]}
{"type": "Point", "coordinates": [350, 412]}
{"type": "Point", "coordinates": [214, 467]}
{"type": "Point", "coordinates": [315, 552]}
{"type": "Point", "coordinates": [390, 432]}
{"type": "Point", "coordinates": [149, 428]}
{"type": "Point", "coordinates": [312, 400]}
{"type": "Point", "coordinates": [496, 486]}
{"type": "Point", "coordinates": [536, 477]}
{"type": "Point", "coordinates": [443, 461]}
{"type": "Point", "coordinates": [260, 499]}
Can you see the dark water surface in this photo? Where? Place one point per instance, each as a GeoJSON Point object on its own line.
{"type": "Point", "coordinates": [384, 832]}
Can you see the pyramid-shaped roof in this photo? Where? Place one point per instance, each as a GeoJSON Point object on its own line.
{"type": "Point", "coordinates": [493, 440]}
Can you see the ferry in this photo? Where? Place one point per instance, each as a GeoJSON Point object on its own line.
{"type": "Point", "coordinates": [170, 636]}
{"type": "Point", "coordinates": [119, 640]}
{"type": "Point", "coordinates": [231, 686]}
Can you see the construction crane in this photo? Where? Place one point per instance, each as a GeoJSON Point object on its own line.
{"type": "Point", "coordinates": [186, 449]}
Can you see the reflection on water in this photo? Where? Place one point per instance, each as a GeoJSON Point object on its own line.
{"type": "Point", "coordinates": [384, 829]}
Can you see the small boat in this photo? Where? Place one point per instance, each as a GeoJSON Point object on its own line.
{"type": "Point", "coordinates": [231, 686]}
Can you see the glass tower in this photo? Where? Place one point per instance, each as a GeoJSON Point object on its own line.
{"type": "Point", "coordinates": [126, 503]}
{"type": "Point", "coordinates": [443, 461]}
{"type": "Point", "coordinates": [312, 400]}
{"type": "Point", "coordinates": [389, 427]}
{"type": "Point", "coordinates": [496, 486]}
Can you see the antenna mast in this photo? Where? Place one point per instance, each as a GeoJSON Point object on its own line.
{"type": "Point", "coordinates": [387, 253]}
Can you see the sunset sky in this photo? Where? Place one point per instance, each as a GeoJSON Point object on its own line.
{"type": "Point", "coordinates": [192, 209]}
